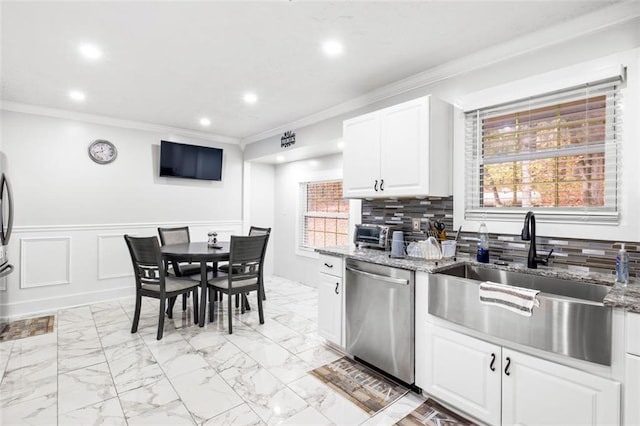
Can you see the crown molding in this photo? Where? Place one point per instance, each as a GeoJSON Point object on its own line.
{"type": "Point", "coordinates": [584, 25]}
{"type": "Point", "coordinates": [110, 121]}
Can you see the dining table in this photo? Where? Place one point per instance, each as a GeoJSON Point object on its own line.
{"type": "Point", "coordinates": [198, 252]}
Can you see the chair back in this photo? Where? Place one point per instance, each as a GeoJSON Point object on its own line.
{"type": "Point", "coordinates": [146, 259]}
{"type": "Point", "coordinates": [254, 230]}
{"type": "Point", "coordinates": [245, 256]}
{"type": "Point", "coordinates": [174, 235]}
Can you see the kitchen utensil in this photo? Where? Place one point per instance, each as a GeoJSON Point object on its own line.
{"type": "Point", "coordinates": [458, 233]}
{"type": "Point", "coordinates": [441, 232]}
{"type": "Point", "coordinates": [397, 244]}
{"type": "Point", "coordinates": [448, 248]}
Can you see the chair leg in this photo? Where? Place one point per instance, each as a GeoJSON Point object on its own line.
{"type": "Point", "coordinates": [260, 312]}
{"type": "Point", "coordinates": [237, 301]}
{"type": "Point", "coordinates": [242, 304]}
{"type": "Point", "coordinates": [230, 313]}
{"type": "Point", "coordinates": [170, 303]}
{"type": "Point", "coordinates": [195, 305]}
{"type": "Point", "coordinates": [184, 301]}
{"type": "Point", "coordinates": [136, 315]}
{"type": "Point", "coordinates": [264, 295]}
{"type": "Point", "coordinates": [245, 301]}
{"type": "Point", "coordinates": [212, 295]}
{"type": "Point", "coordinates": [161, 319]}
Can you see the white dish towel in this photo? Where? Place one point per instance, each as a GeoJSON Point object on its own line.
{"type": "Point", "coordinates": [516, 299]}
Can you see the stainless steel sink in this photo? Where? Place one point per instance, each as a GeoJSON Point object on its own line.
{"type": "Point", "coordinates": [571, 319]}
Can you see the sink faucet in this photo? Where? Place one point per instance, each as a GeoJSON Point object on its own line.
{"type": "Point", "coordinates": [529, 234]}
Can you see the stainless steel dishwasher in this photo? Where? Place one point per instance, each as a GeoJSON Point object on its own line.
{"type": "Point", "coordinates": [380, 317]}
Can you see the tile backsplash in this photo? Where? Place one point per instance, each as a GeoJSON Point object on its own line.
{"type": "Point", "coordinates": [570, 253]}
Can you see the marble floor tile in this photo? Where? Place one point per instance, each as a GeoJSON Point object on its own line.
{"type": "Point", "coordinates": [172, 413]}
{"type": "Point", "coordinates": [93, 370]}
{"type": "Point", "coordinates": [319, 356]}
{"type": "Point", "coordinates": [107, 412]}
{"type": "Point", "coordinates": [177, 358]}
{"type": "Point", "coordinates": [310, 416]}
{"type": "Point", "coordinates": [85, 386]}
{"type": "Point", "coordinates": [205, 393]}
{"type": "Point", "coordinates": [148, 398]}
{"type": "Point", "coordinates": [240, 415]}
{"type": "Point", "coordinates": [28, 382]}
{"type": "Point", "coordinates": [39, 411]}
{"type": "Point", "coordinates": [135, 370]}
{"type": "Point", "coordinates": [330, 403]}
{"type": "Point", "coordinates": [79, 355]}
{"type": "Point", "coordinates": [281, 363]}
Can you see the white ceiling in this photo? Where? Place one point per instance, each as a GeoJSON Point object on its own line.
{"type": "Point", "coordinates": [170, 63]}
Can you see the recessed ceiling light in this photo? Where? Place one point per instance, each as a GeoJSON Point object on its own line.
{"type": "Point", "coordinates": [332, 48]}
{"type": "Point", "coordinates": [280, 158]}
{"type": "Point", "coordinates": [341, 144]}
{"type": "Point", "coordinates": [204, 121]}
{"type": "Point", "coordinates": [77, 95]}
{"type": "Point", "coordinates": [250, 98]}
{"type": "Point", "coordinates": [90, 51]}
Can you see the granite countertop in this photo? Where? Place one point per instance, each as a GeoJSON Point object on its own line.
{"type": "Point", "coordinates": [619, 296]}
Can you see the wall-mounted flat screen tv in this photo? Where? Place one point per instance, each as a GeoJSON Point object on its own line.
{"type": "Point", "coordinates": [190, 161]}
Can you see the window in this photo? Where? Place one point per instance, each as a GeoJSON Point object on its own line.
{"type": "Point", "coordinates": [324, 215]}
{"type": "Point", "coordinates": [556, 154]}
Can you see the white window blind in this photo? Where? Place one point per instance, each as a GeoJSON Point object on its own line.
{"type": "Point", "coordinates": [556, 154]}
{"type": "Point", "coordinates": [324, 215]}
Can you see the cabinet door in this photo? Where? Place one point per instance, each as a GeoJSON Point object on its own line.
{"type": "Point", "coordinates": [464, 372]}
{"type": "Point", "coordinates": [361, 156]}
{"type": "Point", "coordinates": [404, 158]}
{"type": "Point", "coordinates": [632, 391]}
{"type": "Point", "coordinates": [330, 308]}
{"type": "Point", "coordinates": [536, 392]}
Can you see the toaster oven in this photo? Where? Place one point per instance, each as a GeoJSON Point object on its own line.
{"type": "Point", "coordinates": [372, 236]}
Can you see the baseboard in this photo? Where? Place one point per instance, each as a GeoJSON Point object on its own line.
{"type": "Point", "coordinates": [34, 307]}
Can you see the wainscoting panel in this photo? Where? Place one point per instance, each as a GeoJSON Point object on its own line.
{"type": "Point", "coordinates": [45, 261]}
{"type": "Point", "coordinates": [114, 260]}
{"type": "Point", "coordinates": [60, 266]}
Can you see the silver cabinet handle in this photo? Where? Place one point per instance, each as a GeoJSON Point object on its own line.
{"type": "Point", "coordinates": [379, 277]}
{"type": "Point", "coordinates": [336, 290]}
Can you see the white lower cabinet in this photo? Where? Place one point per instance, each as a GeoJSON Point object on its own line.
{"type": "Point", "coordinates": [464, 372]}
{"type": "Point", "coordinates": [331, 299]}
{"type": "Point", "coordinates": [632, 391]}
{"type": "Point", "coordinates": [539, 392]}
{"type": "Point", "coordinates": [501, 386]}
{"type": "Point", "coordinates": [330, 308]}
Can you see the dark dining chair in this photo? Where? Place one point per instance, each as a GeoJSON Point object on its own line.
{"type": "Point", "coordinates": [179, 235]}
{"type": "Point", "coordinates": [246, 255]}
{"type": "Point", "coordinates": [253, 231]}
{"type": "Point", "coordinates": [152, 280]}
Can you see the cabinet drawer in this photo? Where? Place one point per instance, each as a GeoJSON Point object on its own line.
{"type": "Point", "coordinates": [633, 333]}
{"type": "Point", "coordinates": [331, 265]}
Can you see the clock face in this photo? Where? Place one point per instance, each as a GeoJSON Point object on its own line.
{"type": "Point", "coordinates": [102, 152]}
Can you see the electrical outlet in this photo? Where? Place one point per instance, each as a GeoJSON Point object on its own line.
{"type": "Point", "coordinates": [416, 224]}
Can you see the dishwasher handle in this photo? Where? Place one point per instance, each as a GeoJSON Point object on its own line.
{"type": "Point", "coordinates": [384, 278]}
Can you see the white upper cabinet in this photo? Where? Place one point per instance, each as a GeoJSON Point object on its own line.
{"type": "Point", "coordinates": [403, 150]}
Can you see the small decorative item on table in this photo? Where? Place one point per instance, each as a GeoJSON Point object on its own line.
{"type": "Point", "coordinates": [213, 240]}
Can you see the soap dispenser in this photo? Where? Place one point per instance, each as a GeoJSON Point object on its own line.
{"type": "Point", "coordinates": [622, 266]}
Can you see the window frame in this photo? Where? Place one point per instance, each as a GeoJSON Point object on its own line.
{"type": "Point", "coordinates": [475, 159]}
{"type": "Point", "coordinates": [628, 227]}
{"type": "Point", "coordinates": [304, 213]}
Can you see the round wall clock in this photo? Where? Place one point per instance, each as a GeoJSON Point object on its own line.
{"type": "Point", "coordinates": [102, 151]}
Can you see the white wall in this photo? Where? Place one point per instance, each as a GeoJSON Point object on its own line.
{"type": "Point", "coordinates": [290, 262]}
{"type": "Point", "coordinates": [71, 213]}
{"type": "Point", "coordinates": [259, 205]}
